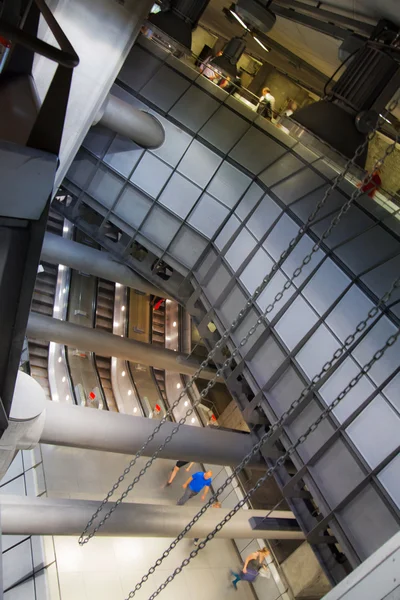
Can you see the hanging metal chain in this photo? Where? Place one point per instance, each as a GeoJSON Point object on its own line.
{"type": "Point", "coordinates": [85, 536]}
{"type": "Point", "coordinates": [280, 461]}
{"type": "Point", "coordinates": [360, 327]}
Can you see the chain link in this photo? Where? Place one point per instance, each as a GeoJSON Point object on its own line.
{"type": "Point", "coordinates": [280, 461]}
{"type": "Point", "coordinates": [372, 313]}
{"type": "Point", "coordinates": [83, 539]}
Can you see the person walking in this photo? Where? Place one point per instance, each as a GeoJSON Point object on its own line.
{"type": "Point", "coordinates": [179, 464]}
{"type": "Point", "coordinates": [215, 505]}
{"type": "Point", "coordinates": [199, 481]}
{"type": "Point", "coordinates": [252, 565]}
{"type": "Point", "coordinates": [266, 104]}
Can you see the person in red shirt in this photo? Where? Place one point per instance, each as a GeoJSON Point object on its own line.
{"type": "Point", "coordinates": [371, 186]}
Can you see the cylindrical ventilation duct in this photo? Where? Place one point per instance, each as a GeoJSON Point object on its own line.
{"type": "Point", "coordinates": [226, 63]}
{"type": "Point", "coordinates": [180, 19]}
{"type": "Point", "coordinates": [139, 126]}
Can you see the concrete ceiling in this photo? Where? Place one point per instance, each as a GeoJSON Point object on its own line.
{"type": "Point", "coordinates": [305, 46]}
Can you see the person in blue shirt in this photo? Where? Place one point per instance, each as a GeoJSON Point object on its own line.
{"type": "Point", "coordinates": [194, 485]}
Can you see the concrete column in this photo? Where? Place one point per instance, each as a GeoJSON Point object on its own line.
{"type": "Point", "coordinates": [60, 251]}
{"type": "Point", "coordinates": [53, 516]}
{"type": "Point", "coordinates": [79, 427]}
{"type": "Point", "coordinates": [108, 344]}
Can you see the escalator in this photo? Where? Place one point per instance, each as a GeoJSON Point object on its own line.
{"type": "Point", "coordinates": [158, 339]}
{"type": "Point", "coordinates": [104, 321]}
{"type": "Point", "coordinates": [43, 303]}
{"type": "Point", "coordinates": [140, 329]}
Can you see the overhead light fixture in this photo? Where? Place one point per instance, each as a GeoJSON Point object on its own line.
{"type": "Point", "coordinates": [259, 42]}
{"type": "Point", "coordinates": [243, 24]}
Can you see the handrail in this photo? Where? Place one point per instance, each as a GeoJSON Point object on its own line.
{"type": "Point", "coordinates": [66, 57]}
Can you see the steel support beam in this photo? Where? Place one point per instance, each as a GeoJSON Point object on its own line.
{"type": "Point", "coordinates": [54, 516]}
{"type": "Point", "coordinates": [108, 344]}
{"type": "Point", "coordinates": [78, 427]}
{"type": "Point", "coordinates": [60, 251]}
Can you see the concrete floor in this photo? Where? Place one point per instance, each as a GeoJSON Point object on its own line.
{"type": "Point", "coordinates": [108, 568]}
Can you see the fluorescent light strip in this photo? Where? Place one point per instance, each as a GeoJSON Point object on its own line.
{"type": "Point", "coordinates": [260, 43]}
{"type": "Point", "coordinates": [385, 119]}
{"type": "Point", "coordinates": [243, 24]}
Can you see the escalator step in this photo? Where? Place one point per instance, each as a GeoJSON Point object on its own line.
{"type": "Point", "coordinates": [38, 361]}
{"type": "Point", "coordinates": [42, 309]}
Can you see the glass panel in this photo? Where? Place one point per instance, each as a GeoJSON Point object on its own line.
{"type": "Point", "coordinates": [224, 129]}
{"type": "Point", "coordinates": [180, 195]}
{"type": "Point", "coordinates": [228, 231]}
{"type": "Point", "coordinates": [132, 206]}
{"type": "Point", "coordinates": [283, 168]}
{"type": "Point", "coordinates": [138, 68]}
{"type": "Point", "coordinates": [240, 249]}
{"type": "Point", "coordinates": [199, 163]}
{"type": "Point", "coordinates": [231, 305]}
{"type": "Point", "coordinates": [368, 522]}
{"type": "Point", "coordinates": [151, 175]}
{"type": "Point", "coordinates": [164, 88]}
{"type": "Point", "coordinates": [105, 186]}
{"type": "Point", "coordinates": [392, 392]}
{"type": "Point", "coordinates": [263, 217]}
{"type": "Point", "coordinates": [271, 290]}
{"type": "Point", "coordinates": [298, 185]}
{"type": "Point", "coordinates": [160, 227]}
{"type": "Point", "coordinates": [288, 388]}
{"type": "Point", "coordinates": [353, 307]}
{"type": "Point", "coordinates": [352, 223]}
{"type": "Point", "coordinates": [256, 150]}
{"type": "Point", "coordinates": [249, 200]}
{"type": "Point", "coordinates": [258, 267]}
{"type": "Point", "coordinates": [218, 283]}
{"type": "Point", "coordinates": [81, 170]}
{"type": "Point", "coordinates": [241, 331]}
{"type": "Point", "coordinates": [123, 155]}
{"type": "Point", "coordinates": [304, 207]}
{"type": "Point", "coordinates": [325, 286]}
{"type": "Point", "coordinates": [296, 257]}
{"type": "Point", "coordinates": [390, 479]}
{"type": "Point", "coordinates": [266, 361]}
{"type": "Point", "coordinates": [175, 144]}
{"type": "Point", "coordinates": [314, 441]}
{"type": "Point", "coordinates": [187, 247]}
{"type": "Point", "coordinates": [194, 108]}
{"type": "Point", "coordinates": [98, 139]}
{"type": "Point", "coordinates": [337, 473]}
{"type": "Point", "coordinates": [296, 322]}
{"type": "Point", "coordinates": [208, 215]}
{"type": "Point", "coordinates": [319, 348]}
{"type": "Point", "coordinates": [381, 279]}
{"type": "Point", "coordinates": [376, 431]}
{"type": "Point", "coordinates": [374, 340]}
{"type": "Point", "coordinates": [336, 384]}
{"type": "Point", "coordinates": [228, 184]}
{"type": "Point", "coordinates": [279, 238]}
{"type": "Point", "coordinates": [368, 249]}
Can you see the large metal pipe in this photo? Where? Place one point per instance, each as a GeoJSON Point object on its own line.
{"type": "Point", "coordinates": [54, 516]}
{"type": "Point", "coordinates": [108, 344]}
{"type": "Point", "coordinates": [123, 118]}
{"type": "Point", "coordinates": [79, 427]}
{"type": "Point", "coordinates": [60, 251]}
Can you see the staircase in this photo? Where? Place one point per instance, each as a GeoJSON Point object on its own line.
{"type": "Point", "coordinates": [43, 302]}
{"type": "Point", "coordinates": [104, 321]}
{"type": "Point", "coordinates": [158, 339]}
